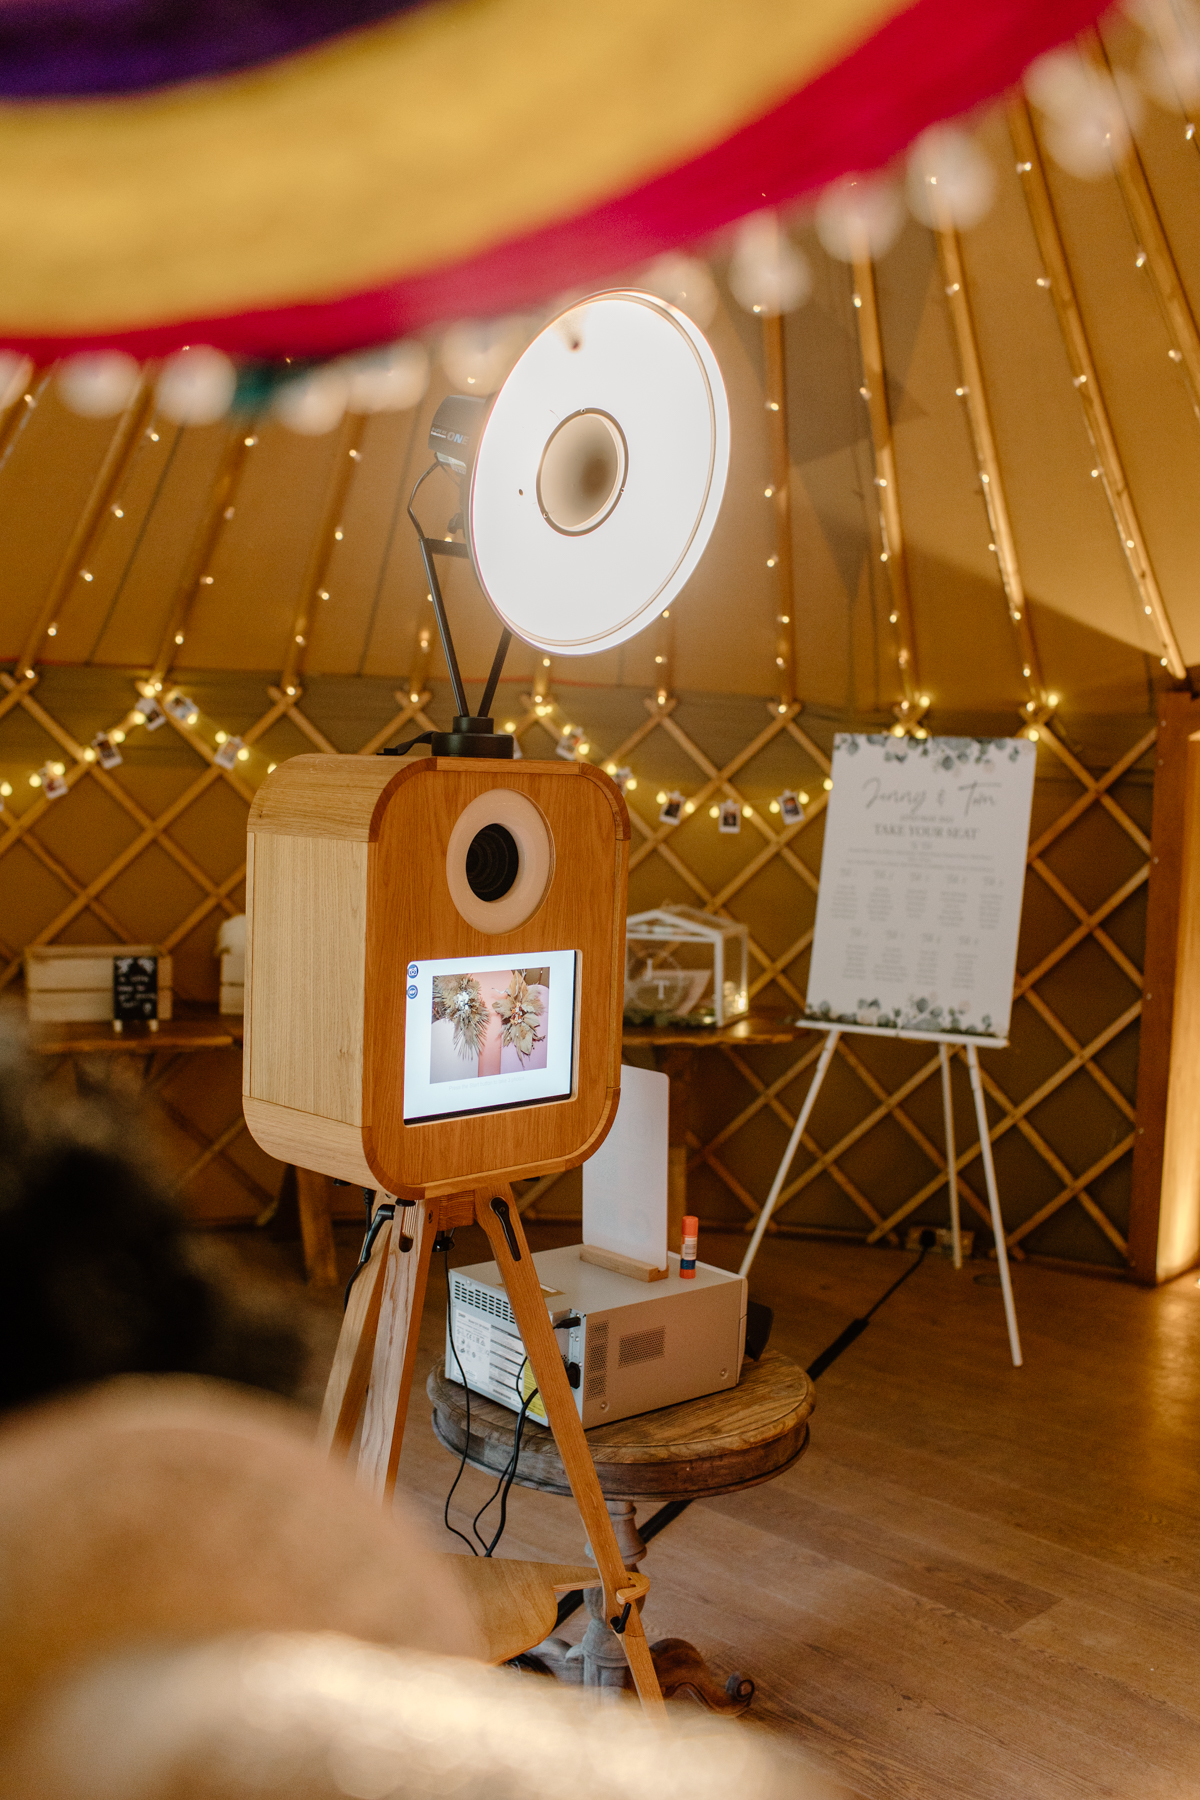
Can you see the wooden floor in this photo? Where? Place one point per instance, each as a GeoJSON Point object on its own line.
{"type": "Point", "coordinates": [979, 1581]}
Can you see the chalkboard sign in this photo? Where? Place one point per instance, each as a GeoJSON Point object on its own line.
{"type": "Point", "coordinates": [135, 988]}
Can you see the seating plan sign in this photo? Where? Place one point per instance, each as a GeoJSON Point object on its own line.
{"type": "Point", "coordinates": [922, 877]}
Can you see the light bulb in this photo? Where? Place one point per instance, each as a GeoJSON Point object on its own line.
{"type": "Point", "coordinates": [98, 384]}
{"type": "Point", "coordinates": [768, 275]}
{"type": "Point", "coordinates": [683, 282]}
{"type": "Point", "coordinates": [222, 737]}
{"type": "Point", "coordinates": [950, 180]}
{"type": "Point", "coordinates": [196, 386]}
{"type": "Point", "coordinates": [859, 216]}
{"type": "Point", "coordinates": [316, 403]}
{"type": "Point", "coordinates": [390, 380]}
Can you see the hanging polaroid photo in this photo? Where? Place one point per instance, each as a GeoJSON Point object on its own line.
{"type": "Point", "coordinates": [227, 753]}
{"type": "Point", "coordinates": [730, 818]}
{"type": "Point", "coordinates": [623, 777]}
{"type": "Point", "coordinates": [182, 708]}
{"type": "Point", "coordinates": [107, 754]}
{"type": "Point", "coordinates": [151, 712]}
{"type": "Point", "coordinates": [568, 744]}
{"type": "Point", "coordinates": [53, 785]}
{"type": "Point", "coordinates": [790, 809]}
{"type": "Point", "coordinates": [672, 809]}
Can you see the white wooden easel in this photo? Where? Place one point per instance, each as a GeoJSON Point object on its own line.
{"type": "Point", "coordinates": [985, 1150]}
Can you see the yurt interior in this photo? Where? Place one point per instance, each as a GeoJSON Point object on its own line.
{"type": "Point", "coordinates": [900, 715]}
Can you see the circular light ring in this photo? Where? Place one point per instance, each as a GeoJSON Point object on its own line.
{"type": "Point", "coordinates": [535, 869]}
{"type": "Point", "coordinates": [633, 365]}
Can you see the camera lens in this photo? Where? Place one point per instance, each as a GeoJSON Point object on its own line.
{"type": "Point", "coordinates": [493, 862]}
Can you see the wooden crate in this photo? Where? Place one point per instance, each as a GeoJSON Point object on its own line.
{"type": "Point", "coordinates": [65, 983]}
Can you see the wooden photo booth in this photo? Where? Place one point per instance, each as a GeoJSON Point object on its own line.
{"type": "Point", "coordinates": [359, 872]}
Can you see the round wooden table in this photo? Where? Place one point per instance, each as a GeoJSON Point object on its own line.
{"type": "Point", "coordinates": [714, 1445]}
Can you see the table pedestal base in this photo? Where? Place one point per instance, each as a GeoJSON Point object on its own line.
{"type": "Point", "coordinates": [599, 1661]}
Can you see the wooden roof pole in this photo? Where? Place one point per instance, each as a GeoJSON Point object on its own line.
{"type": "Point", "coordinates": [974, 392]}
{"type": "Point", "coordinates": [1154, 249]}
{"type": "Point", "coordinates": [196, 571]}
{"type": "Point", "coordinates": [20, 410]}
{"type": "Point", "coordinates": [1087, 385]}
{"type": "Point", "coordinates": [780, 492]}
{"type": "Point", "coordinates": [874, 391]}
{"type": "Point", "coordinates": [329, 533]}
{"type": "Point", "coordinates": [122, 448]}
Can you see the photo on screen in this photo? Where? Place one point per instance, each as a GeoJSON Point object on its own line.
{"type": "Point", "coordinates": [489, 1034]}
{"type": "Point", "coordinates": [489, 1022]}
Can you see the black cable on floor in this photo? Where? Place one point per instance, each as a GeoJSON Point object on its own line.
{"type": "Point", "coordinates": [666, 1515]}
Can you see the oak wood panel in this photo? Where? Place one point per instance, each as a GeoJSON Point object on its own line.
{"type": "Point", "coordinates": [414, 919]}
{"type": "Point", "coordinates": [323, 796]}
{"type": "Point", "coordinates": [306, 919]}
{"type": "Point", "coordinates": [307, 1141]}
{"type": "Point", "coordinates": [513, 1603]}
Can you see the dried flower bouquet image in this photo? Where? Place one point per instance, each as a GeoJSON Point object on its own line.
{"type": "Point", "coordinates": [492, 1022]}
{"type": "Point", "coordinates": [457, 998]}
{"type": "Point", "coordinates": [521, 1010]}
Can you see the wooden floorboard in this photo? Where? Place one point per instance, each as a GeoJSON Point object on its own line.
{"type": "Point", "coordinates": [979, 1581]}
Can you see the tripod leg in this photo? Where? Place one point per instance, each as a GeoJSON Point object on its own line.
{"type": "Point", "coordinates": [509, 1247]}
{"type": "Point", "coordinates": [347, 1386]}
{"type": "Point", "coordinates": [399, 1322]}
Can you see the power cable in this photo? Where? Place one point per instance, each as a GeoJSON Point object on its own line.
{"type": "Point", "coordinates": [666, 1515]}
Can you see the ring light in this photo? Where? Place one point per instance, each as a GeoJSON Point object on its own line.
{"type": "Point", "coordinates": [598, 474]}
{"type": "Point", "coordinates": [590, 486]}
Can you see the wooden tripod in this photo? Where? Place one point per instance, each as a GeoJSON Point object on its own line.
{"type": "Point", "coordinates": [373, 1369]}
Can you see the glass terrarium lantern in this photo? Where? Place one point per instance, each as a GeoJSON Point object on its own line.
{"type": "Point", "coordinates": [681, 963]}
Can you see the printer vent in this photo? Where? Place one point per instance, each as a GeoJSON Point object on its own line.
{"type": "Point", "coordinates": [596, 1362]}
{"type": "Point", "coordinates": [641, 1346]}
{"type": "Point", "coordinates": [482, 1299]}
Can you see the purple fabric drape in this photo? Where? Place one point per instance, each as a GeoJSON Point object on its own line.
{"type": "Point", "coordinates": [68, 49]}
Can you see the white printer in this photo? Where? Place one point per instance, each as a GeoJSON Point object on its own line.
{"type": "Point", "coordinates": [630, 1346]}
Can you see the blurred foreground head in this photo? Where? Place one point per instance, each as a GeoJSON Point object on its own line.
{"type": "Point", "coordinates": [323, 1718]}
{"type": "Point", "coordinates": [98, 1273]}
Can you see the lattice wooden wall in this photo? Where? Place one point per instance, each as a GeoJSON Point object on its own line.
{"type": "Point", "coordinates": [154, 851]}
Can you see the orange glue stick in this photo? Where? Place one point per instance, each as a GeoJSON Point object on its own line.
{"type": "Point", "coordinates": [687, 1252]}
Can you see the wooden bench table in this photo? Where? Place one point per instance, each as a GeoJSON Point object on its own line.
{"type": "Point", "coordinates": [674, 1048]}
{"type": "Point", "coordinates": [714, 1445]}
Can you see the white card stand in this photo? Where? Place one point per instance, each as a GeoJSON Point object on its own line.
{"type": "Point", "coordinates": [625, 1183]}
{"type": "Point", "coordinates": [985, 1151]}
